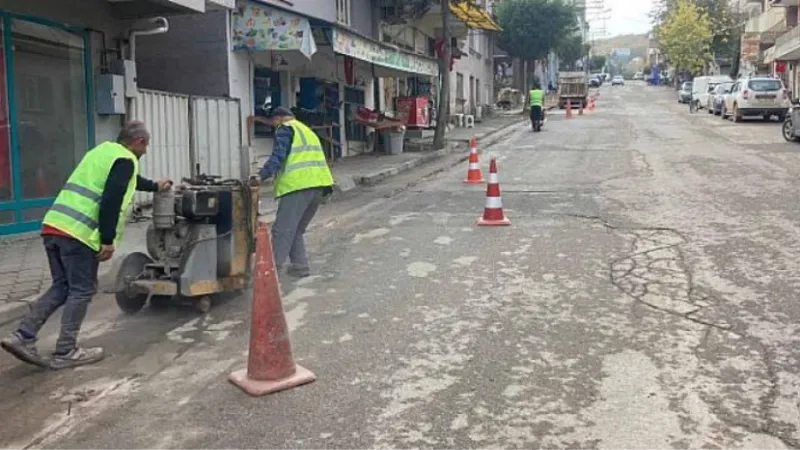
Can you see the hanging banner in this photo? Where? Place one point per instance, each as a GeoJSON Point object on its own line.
{"type": "Point", "coordinates": [363, 49]}
{"type": "Point", "coordinates": [259, 28]}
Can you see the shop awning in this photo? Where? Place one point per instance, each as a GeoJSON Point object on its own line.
{"type": "Point", "coordinates": [382, 55]}
{"type": "Point", "coordinates": [473, 15]}
{"type": "Point", "coordinates": [259, 28]}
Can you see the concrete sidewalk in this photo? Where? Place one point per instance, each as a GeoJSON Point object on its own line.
{"type": "Point", "coordinates": [24, 272]}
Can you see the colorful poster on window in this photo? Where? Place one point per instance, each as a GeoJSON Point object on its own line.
{"type": "Point", "coordinates": [259, 28]}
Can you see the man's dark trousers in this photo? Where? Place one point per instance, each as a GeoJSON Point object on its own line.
{"type": "Point", "coordinates": [73, 267]}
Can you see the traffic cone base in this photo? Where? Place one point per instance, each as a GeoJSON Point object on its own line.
{"type": "Point", "coordinates": [257, 388]}
{"type": "Point", "coordinates": [494, 223]}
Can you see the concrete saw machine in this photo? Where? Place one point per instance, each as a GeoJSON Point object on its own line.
{"type": "Point", "coordinates": [200, 242]}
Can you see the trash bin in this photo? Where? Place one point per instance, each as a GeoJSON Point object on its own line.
{"type": "Point", "coordinates": [393, 140]}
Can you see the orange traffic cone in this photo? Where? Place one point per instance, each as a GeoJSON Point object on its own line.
{"type": "Point", "coordinates": [493, 214]}
{"type": "Point", "coordinates": [569, 109]}
{"type": "Point", "coordinates": [270, 364]}
{"type": "Point", "coordinates": [474, 174]}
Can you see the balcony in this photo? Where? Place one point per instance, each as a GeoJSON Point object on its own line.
{"type": "Point", "coordinates": [766, 27]}
{"type": "Point", "coordinates": [136, 9]}
{"type": "Point", "coordinates": [787, 47]}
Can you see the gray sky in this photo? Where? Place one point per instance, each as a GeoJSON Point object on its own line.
{"type": "Point", "coordinates": [626, 17]}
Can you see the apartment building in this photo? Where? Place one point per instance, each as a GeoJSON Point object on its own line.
{"type": "Point", "coordinates": [771, 41]}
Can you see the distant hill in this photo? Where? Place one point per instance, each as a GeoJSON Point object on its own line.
{"type": "Point", "coordinates": [638, 44]}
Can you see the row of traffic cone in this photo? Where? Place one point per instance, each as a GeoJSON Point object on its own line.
{"type": "Point", "coordinates": [493, 214]}
{"type": "Point", "coordinates": [590, 106]}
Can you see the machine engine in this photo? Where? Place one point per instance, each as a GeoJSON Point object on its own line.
{"type": "Point", "coordinates": [199, 243]}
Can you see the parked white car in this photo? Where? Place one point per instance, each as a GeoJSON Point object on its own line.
{"type": "Point", "coordinates": [756, 96]}
{"type": "Point", "coordinates": [703, 85]}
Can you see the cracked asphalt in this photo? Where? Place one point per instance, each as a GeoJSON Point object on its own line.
{"type": "Point", "coordinates": [643, 297]}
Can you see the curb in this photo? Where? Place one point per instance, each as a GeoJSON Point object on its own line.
{"type": "Point", "coordinates": [451, 147]}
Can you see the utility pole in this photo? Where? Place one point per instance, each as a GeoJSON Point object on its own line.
{"type": "Point", "coordinates": [444, 75]}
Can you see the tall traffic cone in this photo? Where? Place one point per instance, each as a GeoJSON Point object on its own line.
{"type": "Point", "coordinates": [569, 109]}
{"type": "Point", "coordinates": [270, 364]}
{"type": "Point", "coordinates": [493, 214]}
{"type": "Point", "coordinates": [474, 174]}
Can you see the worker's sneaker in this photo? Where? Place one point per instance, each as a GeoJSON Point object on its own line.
{"type": "Point", "coordinates": [23, 349]}
{"type": "Point", "coordinates": [77, 357]}
{"type": "Point", "coordinates": [298, 272]}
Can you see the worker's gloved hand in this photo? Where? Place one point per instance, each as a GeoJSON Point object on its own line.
{"type": "Point", "coordinates": [164, 185]}
{"type": "Point", "coordinates": [105, 253]}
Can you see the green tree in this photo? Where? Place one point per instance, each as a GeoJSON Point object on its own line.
{"type": "Point", "coordinates": [725, 23]}
{"type": "Point", "coordinates": [534, 28]}
{"type": "Point", "coordinates": [597, 62]}
{"type": "Point", "coordinates": [685, 36]}
{"type": "Point", "coordinates": [570, 50]}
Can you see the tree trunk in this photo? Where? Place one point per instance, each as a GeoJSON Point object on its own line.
{"type": "Point", "coordinates": [444, 87]}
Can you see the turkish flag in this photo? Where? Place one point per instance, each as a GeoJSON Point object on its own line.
{"type": "Point", "coordinates": [349, 70]}
{"type": "Point", "coordinates": [780, 66]}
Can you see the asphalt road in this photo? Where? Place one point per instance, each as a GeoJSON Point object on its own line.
{"type": "Point", "coordinates": [643, 297]}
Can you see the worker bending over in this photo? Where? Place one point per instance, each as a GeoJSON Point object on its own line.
{"type": "Point", "coordinates": [302, 179]}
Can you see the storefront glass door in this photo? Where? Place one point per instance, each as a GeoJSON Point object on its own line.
{"type": "Point", "coordinates": [45, 125]}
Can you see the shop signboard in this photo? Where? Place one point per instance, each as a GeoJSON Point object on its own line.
{"type": "Point", "coordinates": [363, 49]}
{"type": "Point", "coordinates": [259, 28]}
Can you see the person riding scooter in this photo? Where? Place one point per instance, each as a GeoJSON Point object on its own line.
{"type": "Point", "coordinates": [536, 100]}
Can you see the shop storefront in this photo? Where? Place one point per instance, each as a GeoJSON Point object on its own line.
{"type": "Point", "coordinates": [327, 76]}
{"type": "Point", "coordinates": [46, 123]}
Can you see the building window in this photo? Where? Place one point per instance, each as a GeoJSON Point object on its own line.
{"type": "Point", "coordinates": [343, 12]}
{"type": "Point", "coordinates": [459, 86]}
{"type": "Point", "coordinates": [266, 94]}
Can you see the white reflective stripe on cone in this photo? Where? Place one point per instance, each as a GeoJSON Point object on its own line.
{"type": "Point", "coordinates": [494, 202]}
{"type": "Point", "coordinates": [493, 178]}
{"type": "Point", "coordinates": [474, 166]}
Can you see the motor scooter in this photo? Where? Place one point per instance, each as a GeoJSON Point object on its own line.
{"type": "Point", "coordinates": [537, 124]}
{"type": "Point", "coordinates": [791, 124]}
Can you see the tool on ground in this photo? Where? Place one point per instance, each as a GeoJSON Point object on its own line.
{"type": "Point", "coordinates": [569, 109]}
{"type": "Point", "coordinates": [493, 214]}
{"type": "Point", "coordinates": [474, 174]}
{"type": "Point", "coordinates": [200, 243]}
{"type": "Point", "coordinates": [270, 364]}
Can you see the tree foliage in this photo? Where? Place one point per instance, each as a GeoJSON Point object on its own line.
{"type": "Point", "coordinates": [723, 19]}
{"type": "Point", "coordinates": [534, 28]}
{"type": "Point", "coordinates": [597, 62]}
{"type": "Point", "coordinates": [570, 50]}
{"type": "Point", "coordinates": [686, 36]}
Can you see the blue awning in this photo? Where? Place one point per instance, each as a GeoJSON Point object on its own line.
{"type": "Point", "coordinates": [259, 28]}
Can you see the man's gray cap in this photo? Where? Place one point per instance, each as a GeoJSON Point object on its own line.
{"type": "Point", "coordinates": [280, 111]}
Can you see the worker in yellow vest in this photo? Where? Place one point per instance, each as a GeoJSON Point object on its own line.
{"type": "Point", "coordinates": [302, 180]}
{"type": "Point", "coordinates": [536, 98]}
{"type": "Point", "coordinates": [81, 230]}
